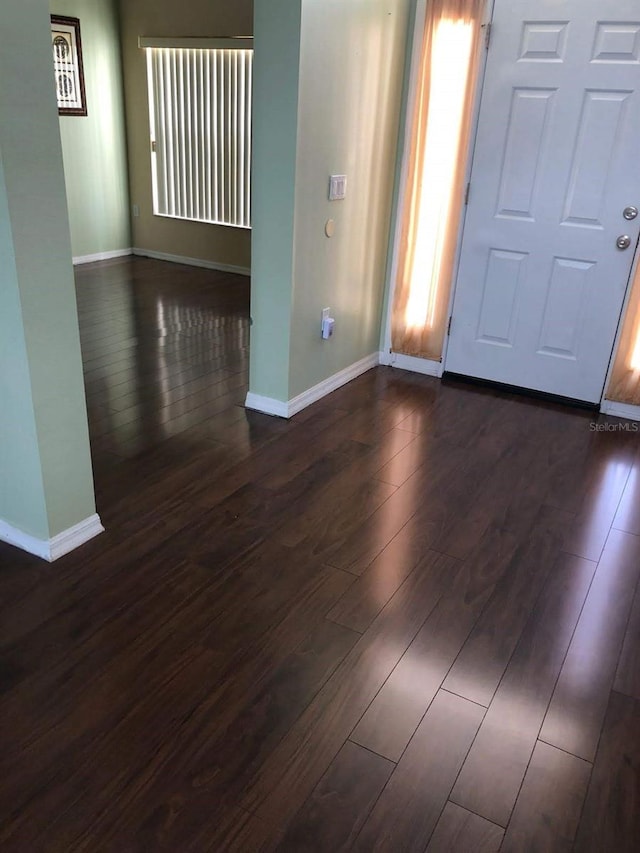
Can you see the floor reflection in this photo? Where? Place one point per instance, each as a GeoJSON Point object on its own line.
{"type": "Point", "coordinates": [165, 347]}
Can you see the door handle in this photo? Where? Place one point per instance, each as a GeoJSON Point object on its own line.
{"type": "Point", "coordinates": [623, 242]}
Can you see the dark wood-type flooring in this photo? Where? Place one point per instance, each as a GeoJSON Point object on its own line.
{"type": "Point", "coordinates": [406, 620]}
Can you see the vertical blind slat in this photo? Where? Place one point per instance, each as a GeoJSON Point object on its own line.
{"type": "Point", "coordinates": [240, 114]}
{"type": "Point", "coordinates": [222, 151]}
{"type": "Point", "coordinates": [191, 149]}
{"type": "Point", "coordinates": [161, 154]}
{"type": "Point", "coordinates": [229, 94]}
{"type": "Point", "coordinates": [207, 132]}
{"type": "Point", "coordinates": [249, 136]}
{"type": "Point", "coordinates": [202, 183]}
{"type": "Point", "coordinates": [152, 124]}
{"type": "Point", "coordinates": [236, 140]}
{"type": "Point", "coordinates": [216, 152]}
{"type": "Point", "coordinates": [171, 99]}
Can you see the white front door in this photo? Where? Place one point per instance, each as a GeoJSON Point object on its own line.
{"type": "Point", "coordinates": [541, 281]}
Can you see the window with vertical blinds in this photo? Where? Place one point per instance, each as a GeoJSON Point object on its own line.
{"type": "Point", "coordinates": [200, 119]}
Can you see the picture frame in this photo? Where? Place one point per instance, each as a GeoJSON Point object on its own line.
{"type": "Point", "coordinates": [66, 46]}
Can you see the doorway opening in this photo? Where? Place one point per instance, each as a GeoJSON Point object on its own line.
{"type": "Point", "coordinates": [550, 224]}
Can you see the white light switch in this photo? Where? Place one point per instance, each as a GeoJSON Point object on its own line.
{"type": "Point", "coordinates": [337, 187]}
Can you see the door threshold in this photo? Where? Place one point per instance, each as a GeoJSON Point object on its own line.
{"type": "Point", "coordinates": [523, 392]}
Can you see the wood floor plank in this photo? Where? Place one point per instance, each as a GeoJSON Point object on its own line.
{"type": "Point", "coordinates": [334, 514]}
{"type": "Point", "coordinates": [495, 767]}
{"type": "Point", "coordinates": [109, 555]}
{"type": "Point", "coordinates": [410, 806]}
{"type": "Point", "coordinates": [460, 416]}
{"type": "Point", "coordinates": [442, 490]}
{"type": "Point", "coordinates": [91, 635]}
{"type": "Point", "coordinates": [259, 713]}
{"type": "Point", "coordinates": [459, 829]}
{"type": "Point", "coordinates": [215, 829]}
{"type": "Point", "coordinates": [395, 713]}
{"type": "Point", "coordinates": [589, 479]}
{"type": "Point", "coordinates": [63, 779]}
{"type": "Point", "coordinates": [611, 817]}
{"type": "Point", "coordinates": [294, 769]}
{"type": "Point", "coordinates": [333, 815]}
{"type": "Point", "coordinates": [255, 508]}
{"type": "Point", "coordinates": [548, 810]}
{"type": "Point", "coordinates": [592, 523]}
{"type": "Point", "coordinates": [480, 665]}
{"type": "Point", "coordinates": [405, 463]}
{"type": "Point", "coordinates": [234, 670]}
{"type": "Point", "coordinates": [499, 576]}
{"type": "Point", "coordinates": [275, 703]}
{"type": "Point", "coordinates": [627, 678]}
{"type": "Point", "coordinates": [627, 517]}
{"type": "Point", "coordinates": [343, 429]}
{"type": "Point", "coordinates": [372, 591]}
{"type": "Point", "coordinates": [574, 719]}
{"type": "Point", "coordinates": [241, 430]}
{"type": "Point", "coordinates": [355, 553]}
{"type": "Point", "coordinates": [423, 495]}
{"type": "Point", "coordinates": [237, 832]}
{"type": "Point", "coordinates": [498, 489]}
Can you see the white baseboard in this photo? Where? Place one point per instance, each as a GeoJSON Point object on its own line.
{"type": "Point", "coordinates": [288, 409]}
{"type": "Point", "coordinates": [620, 410]}
{"type": "Point", "coordinates": [267, 405]}
{"type": "Point", "coordinates": [426, 366]}
{"type": "Point", "coordinates": [191, 262]}
{"type": "Point", "coordinates": [52, 549]}
{"type": "Point", "coordinates": [297, 404]}
{"type": "Point", "coordinates": [102, 256]}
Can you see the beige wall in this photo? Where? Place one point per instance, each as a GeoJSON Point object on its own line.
{"type": "Point", "coordinates": [165, 18]}
{"type": "Point", "coordinates": [329, 103]}
{"type": "Point", "coordinates": [351, 81]}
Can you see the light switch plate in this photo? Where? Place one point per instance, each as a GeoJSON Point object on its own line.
{"type": "Point", "coordinates": [337, 187]}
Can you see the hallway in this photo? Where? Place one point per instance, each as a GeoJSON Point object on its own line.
{"type": "Point", "coordinates": [406, 620]}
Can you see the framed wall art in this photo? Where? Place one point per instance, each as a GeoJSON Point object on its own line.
{"type": "Point", "coordinates": [67, 64]}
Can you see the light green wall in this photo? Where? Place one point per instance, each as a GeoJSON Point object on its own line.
{"type": "Point", "coordinates": [277, 58]}
{"type": "Point", "coordinates": [94, 147]}
{"type": "Point", "coordinates": [48, 423]}
{"type": "Point", "coordinates": [165, 18]}
{"type": "Point", "coordinates": [21, 489]}
{"type": "Point", "coordinates": [349, 79]}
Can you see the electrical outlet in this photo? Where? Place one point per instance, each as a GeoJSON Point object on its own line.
{"type": "Point", "coordinates": [136, 210]}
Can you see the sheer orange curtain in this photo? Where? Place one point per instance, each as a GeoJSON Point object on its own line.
{"type": "Point", "coordinates": [624, 386]}
{"type": "Point", "coordinates": [441, 131]}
